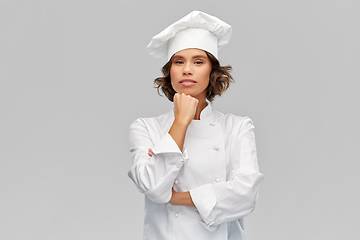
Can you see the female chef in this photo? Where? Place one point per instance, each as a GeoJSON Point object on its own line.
{"type": "Point", "coordinates": [196, 167]}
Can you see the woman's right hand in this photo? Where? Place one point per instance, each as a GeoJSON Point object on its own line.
{"type": "Point", "coordinates": [184, 107]}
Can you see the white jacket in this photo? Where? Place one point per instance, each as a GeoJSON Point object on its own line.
{"type": "Point", "coordinates": [218, 165]}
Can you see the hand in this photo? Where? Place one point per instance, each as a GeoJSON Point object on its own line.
{"type": "Point", "coordinates": [150, 152]}
{"type": "Point", "coordinates": [173, 197]}
{"type": "Point", "coordinates": [181, 198]}
{"type": "Point", "coordinates": [184, 107]}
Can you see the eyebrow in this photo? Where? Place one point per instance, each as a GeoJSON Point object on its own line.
{"type": "Point", "coordinates": [197, 56]}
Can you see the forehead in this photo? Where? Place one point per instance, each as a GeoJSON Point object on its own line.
{"type": "Point", "coordinates": [190, 52]}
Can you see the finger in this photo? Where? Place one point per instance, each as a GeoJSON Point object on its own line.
{"type": "Point", "coordinates": [176, 97]}
{"type": "Point", "coordinates": [150, 152]}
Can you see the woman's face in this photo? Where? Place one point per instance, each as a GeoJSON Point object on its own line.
{"type": "Point", "coordinates": [190, 72]}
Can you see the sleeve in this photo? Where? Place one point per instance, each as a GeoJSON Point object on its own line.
{"type": "Point", "coordinates": [236, 198]}
{"type": "Point", "coordinates": [154, 176]}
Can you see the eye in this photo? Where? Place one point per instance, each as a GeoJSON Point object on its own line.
{"type": "Point", "coordinates": [198, 62]}
{"type": "Point", "coordinates": [179, 62]}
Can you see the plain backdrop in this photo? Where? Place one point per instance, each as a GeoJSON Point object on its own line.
{"type": "Point", "coordinates": [74, 74]}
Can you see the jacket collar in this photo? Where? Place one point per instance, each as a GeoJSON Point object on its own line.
{"type": "Point", "coordinates": [205, 114]}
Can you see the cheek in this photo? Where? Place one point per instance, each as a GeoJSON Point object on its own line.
{"type": "Point", "coordinates": [173, 73]}
{"type": "Point", "coordinates": [206, 74]}
{"type": "Point", "coordinates": [172, 79]}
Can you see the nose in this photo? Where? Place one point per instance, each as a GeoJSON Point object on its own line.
{"type": "Point", "coordinates": [187, 70]}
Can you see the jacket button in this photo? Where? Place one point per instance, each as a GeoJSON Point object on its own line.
{"type": "Point", "coordinates": [212, 124]}
{"type": "Point", "coordinates": [176, 214]}
{"type": "Point", "coordinates": [176, 181]}
{"type": "Point", "coordinates": [216, 148]}
{"type": "Point", "coordinates": [217, 180]}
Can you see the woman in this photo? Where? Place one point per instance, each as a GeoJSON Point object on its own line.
{"type": "Point", "coordinates": [197, 167]}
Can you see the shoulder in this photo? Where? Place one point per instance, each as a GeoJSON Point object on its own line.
{"type": "Point", "coordinates": [235, 127]}
{"type": "Point", "coordinates": [231, 121]}
{"type": "Point", "coordinates": [152, 122]}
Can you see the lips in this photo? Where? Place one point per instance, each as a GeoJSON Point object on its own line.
{"type": "Point", "coordinates": [187, 82]}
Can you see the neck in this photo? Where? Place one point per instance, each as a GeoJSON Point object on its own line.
{"type": "Point", "coordinates": [201, 105]}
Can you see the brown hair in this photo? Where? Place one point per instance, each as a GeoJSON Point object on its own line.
{"type": "Point", "coordinates": [219, 82]}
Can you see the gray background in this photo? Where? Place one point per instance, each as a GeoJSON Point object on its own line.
{"type": "Point", "coordinates": [75, 74]}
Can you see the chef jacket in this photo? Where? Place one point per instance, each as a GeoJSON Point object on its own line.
{"type": "Point", "coordinates": [218, 166]}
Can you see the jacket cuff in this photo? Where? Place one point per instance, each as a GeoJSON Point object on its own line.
{"type": "Point", "coordinates": [205, 200]}
{"type": "Point", "coordinates": [168, 145]}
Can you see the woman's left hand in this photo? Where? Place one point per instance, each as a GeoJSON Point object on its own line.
{"type": "Point", "coordinates": [178, 198]}
{"type": "Point", "coordinates": [173, 199]}
{"type": "Point", "coordinates": [150, 152]}
{"type": "Point", "coordinates": [181, 198]}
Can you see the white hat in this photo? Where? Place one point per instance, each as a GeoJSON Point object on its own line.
{"type": "Point", "coordinates": [195, 30]}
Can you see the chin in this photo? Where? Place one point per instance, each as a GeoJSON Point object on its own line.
{"type": "Point", "coordinates": [192, 93]}
{"type": "Point", "coordinates": [187, 93]}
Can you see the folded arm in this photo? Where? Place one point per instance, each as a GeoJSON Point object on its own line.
{"type": "Point", "coordinates": [235, 198]}
{"type": "Point", "coordinates": [154, 176]}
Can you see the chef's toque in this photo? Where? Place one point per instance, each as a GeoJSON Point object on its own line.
{"type": "Point", "coordinates": [195, 30]}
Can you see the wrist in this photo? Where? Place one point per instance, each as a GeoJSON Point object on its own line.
{"type": "Point", "coordinates": [182, 122]}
